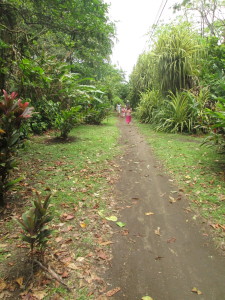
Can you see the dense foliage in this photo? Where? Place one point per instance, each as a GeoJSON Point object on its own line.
{"type": "Point", "coordinates": [178, 86]}
{"type": "Point", "coordinates": [45, 44]}
{"type": "Point", "coordinates": [55, 55]}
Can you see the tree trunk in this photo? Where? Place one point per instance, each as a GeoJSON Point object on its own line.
{"type": "Point", "coordinates": [2, 202]}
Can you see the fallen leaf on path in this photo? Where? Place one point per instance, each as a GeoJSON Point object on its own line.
{"type": "Point", "coordinates": [106, 243]}
{"type": "Point", "coordinates": [80, 259]}
{"type": "Point", "coordinates": [20, 281]}
{"type": "Point", "coordinates": [3, 285]}
{"type": "Point", "coordinates": [113, 292]}
{"type": "Point", "coordinates": [159, 257]}
{"type": "Point", "coordinates": [83, 225]}
{"type": "Point", "coordinates": [149, 213]}
{"type": "Point", "coordinates": [195, 290]}
{"type": "Point", "coordinates": [73, 266]}
{"type": "Point", "coordinates": [68, 217]}
{"type": "Point", "coordinates": [58, 239]}
{"type": "Point", "coordinates": [39, 294]}
{"type": "Point", "coordinates": [120, 224]}
{"type": "Point", "coordinates": [172, 200]}
{"type": "Point", "coordinates": [157, 231]}
{"type": "Point", "coordinates": [222, 226]}
{"type": "Point", "coordinates": [171, 240]}
{"type": "Point", "coordinates": [222, 197]}
{"type": "Point", "coordinates": [65, 274]}
{"type": "Point", "coordinates": [146, 298]}
{"type": "Point", "coordinates": [216, 226]}
{"type": "Point", "coordinates": [102, 255]}
{"type": "Point", "coordinates": [67, 229]}
{"type": "Point", "coordinates": [112, 218]}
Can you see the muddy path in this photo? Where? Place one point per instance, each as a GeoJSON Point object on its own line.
{"type": "Point", "coordinates": [164, 251]}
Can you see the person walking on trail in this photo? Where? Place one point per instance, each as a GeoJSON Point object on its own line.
{"type": "Point", "coordinates": [128, 114]}
{"type": "Point", "coordinates": [123, 112]}
{"type": "Point", "coordinates": [118, 108]}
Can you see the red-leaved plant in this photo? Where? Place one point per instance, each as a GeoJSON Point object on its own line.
{"type": "Point", "coordinates": [13, 112]}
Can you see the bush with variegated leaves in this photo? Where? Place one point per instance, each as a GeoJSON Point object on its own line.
{"type": "Point", "coordinates": [13, 113]}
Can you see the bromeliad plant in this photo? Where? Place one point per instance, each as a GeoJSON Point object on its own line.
{"type": "Point", "coordinates": [13, 113]}
{"type": "Point", "coordinates": [34, 223]}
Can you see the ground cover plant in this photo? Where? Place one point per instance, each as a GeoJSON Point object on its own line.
{"type": "Point", "coordinates": [78, 173]}
{"type": "Point", "coordinates": [198, 169]}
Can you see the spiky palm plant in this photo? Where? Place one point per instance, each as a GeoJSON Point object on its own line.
{"type": "Point", "coordinates": [177, 49]}
{"type": "Point", "coordinates": [150, 101]}
{"type": "Point", "coordinates": [175, 114]}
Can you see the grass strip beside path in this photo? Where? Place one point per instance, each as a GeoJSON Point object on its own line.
{"type": "Point", "coordinates": [79, 173]}
{"type": "Point", "coordinates": [199, 171]}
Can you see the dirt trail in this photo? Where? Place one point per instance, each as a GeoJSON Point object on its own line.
{"type": "Point", "coordinates": [162, 255]}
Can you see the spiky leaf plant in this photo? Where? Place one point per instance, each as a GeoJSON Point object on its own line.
{"type": "Point", "coordinates": [175, 114]}
{"type": "Point", "coordinates": [34, 223]}
{"type": "Point", "coordinates": [178, 51]}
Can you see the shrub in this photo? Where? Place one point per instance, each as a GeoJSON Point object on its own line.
{"type": "Point", "coordinates": [34, 223]}
{"type": "Point", "coordinates": [97, 113]}
{"type": "Point", "coordinates": [45, 117]}
{"type": "Point", "coordinates": [150, 102]}
{"type": "Point", "coordinates": [66, 120]}
{"type": "Point", "coordinates": [217, 135]}
{"type": "Point", "coordinates": [13, 113]}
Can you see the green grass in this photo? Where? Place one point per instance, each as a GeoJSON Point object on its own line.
{"type": "Point", "coordinates": [199, 170]}
{"type": "Point", "coordinates": [77, 173]}
{"type": "Point", "coordinates": [70, 169]}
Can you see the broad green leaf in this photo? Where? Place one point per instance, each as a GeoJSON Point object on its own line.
{"type": "Point", "coordinates": [146, 298]}
{"type": "Point", "coordinates": [120, 224]}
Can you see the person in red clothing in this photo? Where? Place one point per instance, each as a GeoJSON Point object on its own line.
{"type": "Point", "coordinates": [128, 114]}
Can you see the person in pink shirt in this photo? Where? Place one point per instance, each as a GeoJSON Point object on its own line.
{"type": "Point", "coordinates": [128, 114]}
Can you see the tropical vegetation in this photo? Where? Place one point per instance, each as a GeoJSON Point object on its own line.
{"type": "Point", "coordinates": [55, 56]}
{"type": "Point", "coordinates": [178, 85]}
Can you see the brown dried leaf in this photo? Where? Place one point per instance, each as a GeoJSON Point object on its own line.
{"type": "Point", "coordinates": [159, 257]}
{"type": "Point", "coordinates": [65, 274]}
{"type": "Point", "coordinates": [113, 292]}
{"type": "Point", "coordinates": [73, 266]}
{"type": "Point", "coordinates": [171, 240]}
{"type": "Point", "coordinates": [102, 255]}
{"type": "Point", "coordinates": [69, 217]}
{"type": "Point", "coordinates": [58, 239]}
{"type": "Point", "coordinates": [106, 243]}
